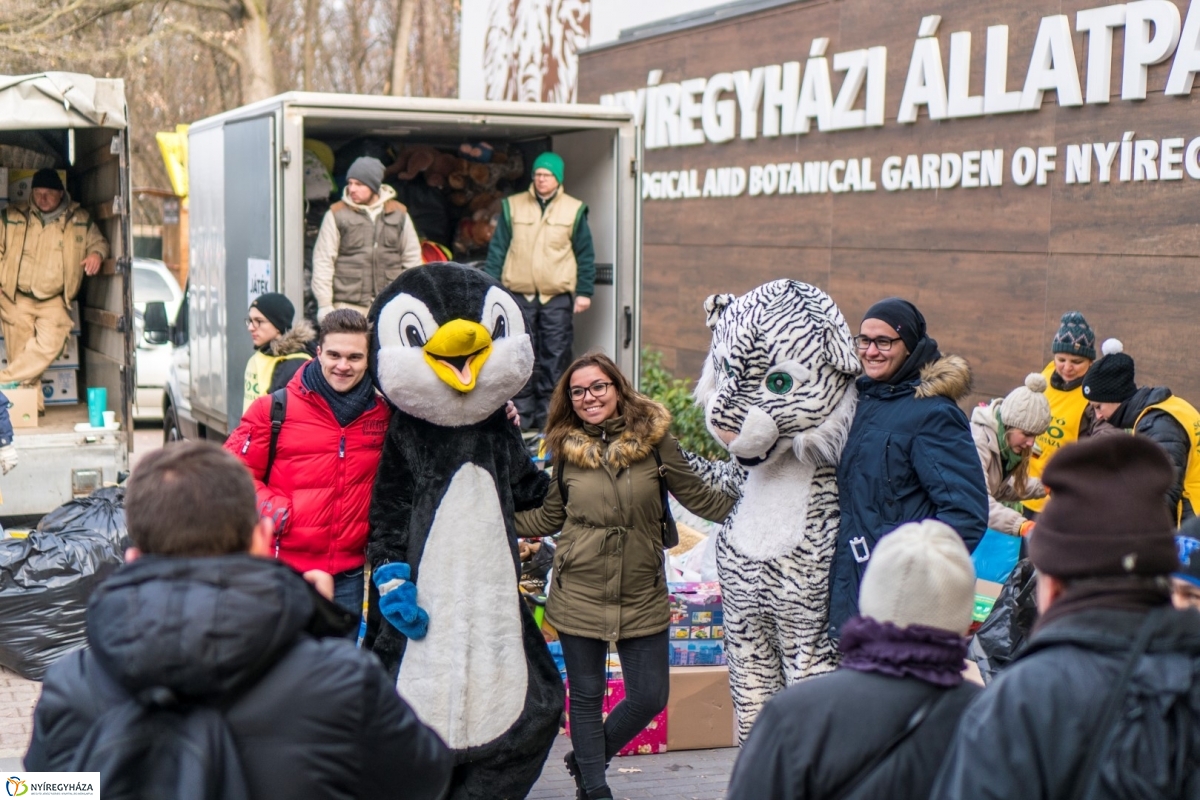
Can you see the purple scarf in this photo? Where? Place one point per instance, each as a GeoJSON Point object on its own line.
{"type": "Point", "coordinates": [928, 654]}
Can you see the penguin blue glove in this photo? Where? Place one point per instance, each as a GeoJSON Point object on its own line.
{"type": "Point", "coordinates": [398, 600]}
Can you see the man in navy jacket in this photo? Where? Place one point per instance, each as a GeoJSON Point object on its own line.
{"type": "Point", "coordinates": [909, 455]}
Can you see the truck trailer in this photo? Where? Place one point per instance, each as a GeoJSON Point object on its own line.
{"type": "Point", "coordinates": [248, 209]}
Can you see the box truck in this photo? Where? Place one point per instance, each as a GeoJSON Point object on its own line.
{"type": "Point", "coordinates": [77, 125]}
{"type": "Point", "coordinates": [249, 212]}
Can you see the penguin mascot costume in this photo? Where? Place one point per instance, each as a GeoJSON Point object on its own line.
{"type": "Point", "coordinates": [449, 348]}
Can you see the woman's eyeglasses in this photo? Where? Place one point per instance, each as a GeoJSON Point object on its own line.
{"type": "Point", "coordinates": [596, 390]}
{"type": "Point", "coordinates": [882, 344]}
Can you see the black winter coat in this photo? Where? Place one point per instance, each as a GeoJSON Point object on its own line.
{"type": "Point", "coordinates": [811, 740]}
{"type": "Point", "coordinates": [1160, 427]}
{"type": "Point", "coordinates": [324, 720]}
{"type": "Point", "coordinates": [909, 456]}
{"type": "Point", "coordinates": [1027, 736]}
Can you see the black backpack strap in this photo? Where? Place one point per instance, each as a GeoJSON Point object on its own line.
{"type": "Point", "coordinates": [1086, 776]}
{"type": "Point", "coordinates": [918, 716]}
{"type": "Point", "coordinates": [278, 415]}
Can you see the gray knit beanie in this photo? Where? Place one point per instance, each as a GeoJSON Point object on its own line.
{"type": "Point", "coordinates": [920, 574]}
{"type": "Point", "coordinates": [367, 171]}
{"type": "Point", "coordinates": [1026, 407]}
{"type": "Point", "coordinates": [1075, 336]}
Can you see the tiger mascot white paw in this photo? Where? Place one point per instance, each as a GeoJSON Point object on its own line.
{"type": "Point", "coordinates": [778, 393]}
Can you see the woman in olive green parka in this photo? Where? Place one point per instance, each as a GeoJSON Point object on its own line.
{"type": "Point", "coordinates": [609, 582]}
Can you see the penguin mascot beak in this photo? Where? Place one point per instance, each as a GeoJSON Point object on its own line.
{"type": "Point", "coordinates": [457, 351]}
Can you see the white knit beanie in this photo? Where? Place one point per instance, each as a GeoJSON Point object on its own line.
{"type": "Point", "coordinates": [1026, 407]}
{"type": "Point", "coordinates": [920, 574]}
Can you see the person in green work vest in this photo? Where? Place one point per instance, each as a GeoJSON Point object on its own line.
{"type": "Point", "coordinates": [542, 252]}
{"type": "Point", "coordinates": [280, 348]}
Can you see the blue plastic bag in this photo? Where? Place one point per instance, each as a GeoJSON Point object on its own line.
{"type": "Point", "coordinates": [996, 556]}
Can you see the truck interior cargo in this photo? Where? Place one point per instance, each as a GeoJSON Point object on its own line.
{"type": "Point", "coordinates": [262, 178]}
{"type": "Point", "coordinates": [58, 460]}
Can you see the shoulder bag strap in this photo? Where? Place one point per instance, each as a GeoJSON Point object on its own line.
{"type": "Point", "coordinates": [278, 415]}
{"type": "Point", "coordinates": [914, 721]}
{"type": "Point", "coordinates": [1086, 777]}
{"type": "Point", "coordinates": [670, 532]}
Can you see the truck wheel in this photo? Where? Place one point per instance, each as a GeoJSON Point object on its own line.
{"type": "Point", "coordinates": [171, 432]}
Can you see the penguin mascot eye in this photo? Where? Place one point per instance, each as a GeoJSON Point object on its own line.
{"type": "Point", "coordinates": [451, 345]}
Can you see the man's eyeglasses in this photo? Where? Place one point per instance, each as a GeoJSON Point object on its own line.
{"type": "Point", "coordinates": [251, 322]}
{"type": "Point", "coordinates": [882, 343]}
{"type": "Point", "coordinates": [596, 390]}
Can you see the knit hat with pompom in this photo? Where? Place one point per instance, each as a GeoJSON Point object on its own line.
{"type": "Point", "coordinates": [1110, 380]}
{"type": "Point", "coordinates": [1026, 407]}
{"type": "Point", "coordinates": [1075, 336]}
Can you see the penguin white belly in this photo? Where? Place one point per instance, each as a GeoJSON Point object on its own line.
{"type": "Point", "coordinates": [467, 678]}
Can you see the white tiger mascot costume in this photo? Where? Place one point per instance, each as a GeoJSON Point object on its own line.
{"type": "Point", "coordinates": [778, 393]}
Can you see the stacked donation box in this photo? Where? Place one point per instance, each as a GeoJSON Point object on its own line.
{"type": "Point", "coordinates": [60, 383]}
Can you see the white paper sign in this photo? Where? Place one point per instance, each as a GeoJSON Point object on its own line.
{"type": "Point", "coordinates": [258, 278]}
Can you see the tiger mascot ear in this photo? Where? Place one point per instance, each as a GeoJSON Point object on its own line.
{"type": "Point", "coordinates": [714, 306]}
{"type": "Point", "coordinates": [838, 346]}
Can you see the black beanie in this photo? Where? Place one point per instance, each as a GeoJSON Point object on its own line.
{"type": "Point", "coordinates": [1107, 513]}
{"type": "Point", "coordinates": [1110, 380]}
{"type": "Point", "coordinates": [47, 179]}
{"type": "Point", "coordinates": [278, 310]}
{"type": "Point", "coordinates": [901, 315]}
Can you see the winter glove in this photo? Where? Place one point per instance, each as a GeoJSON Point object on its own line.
{"type": "Point", "coordinates": [8, 458]}
{"type": "Point", "coordinates": [322, 312]}
{"type": "Point", "coordinates": [398, 600]}
{"type": "Point", "coordinates": [1027, 527]}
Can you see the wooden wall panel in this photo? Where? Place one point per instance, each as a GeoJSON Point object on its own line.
{"type": "Point", "coordinates": [993, 269]}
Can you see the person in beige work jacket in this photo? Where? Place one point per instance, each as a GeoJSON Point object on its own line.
{"type": "Point", "coordinates": [608, 581]}
{"type": "Point", "coordinates": [46, 247]}
{"type": "Point", "coordinates": [542, 252]}
{"type": "Point", "coordinates": [366, 240]}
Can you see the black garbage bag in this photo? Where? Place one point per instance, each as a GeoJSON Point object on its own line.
{"type": "Point", "coordinates": [1004, 633]}
{"type": "Point", "coordinates": [47, 578]}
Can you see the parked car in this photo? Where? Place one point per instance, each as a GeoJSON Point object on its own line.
{"type": "Point", "coordinates": [152, 283]}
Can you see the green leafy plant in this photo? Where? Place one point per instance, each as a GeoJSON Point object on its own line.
{"type": "Point", "coordinates": [687, 418]}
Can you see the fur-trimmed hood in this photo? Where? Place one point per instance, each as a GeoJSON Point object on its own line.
{"type": "Point", "coordinates": [618, 442]}
{"type": "Point", "coordinates": [294, 340]}
{"type": "Point", "coordinates": [948, 376]}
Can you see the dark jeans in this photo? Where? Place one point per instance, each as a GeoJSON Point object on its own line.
{"type": "Point", "coordinates": [552, 331]}
{"type": "Point", "coordinates": [348, 593]}
{"type": "Point", "coordinates": [645, 665]}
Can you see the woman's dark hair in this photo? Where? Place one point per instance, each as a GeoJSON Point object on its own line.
{"type": "Point", "coordinates": [562, 418]}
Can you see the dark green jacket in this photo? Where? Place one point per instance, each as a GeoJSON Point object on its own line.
{"type": "Point", "coordinates": [608, 580]}
{"type": "Point", "coordinates": [581, 243]}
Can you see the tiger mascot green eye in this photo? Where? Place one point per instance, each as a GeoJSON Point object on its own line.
{"type": "Point", "coordinates": [778, 393]}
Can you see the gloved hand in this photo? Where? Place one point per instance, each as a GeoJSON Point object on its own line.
{"type": "Point", "coordinates": [322, 312]}
{"type": "Point", "coordinates": [1027, 527]}
{"type": "Point", "coordinates": [8, 458]}
{"type": "Point", "coordinates": [398, 600]}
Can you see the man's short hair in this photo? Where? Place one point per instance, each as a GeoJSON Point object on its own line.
{"type": "Point", "coordinates": [343, 320]}
{"type": "Point", "coordinates": [191, 499]}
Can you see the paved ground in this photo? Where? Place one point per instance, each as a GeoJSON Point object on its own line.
{"type": "Point", "coordinates": [17, 699]}
{"type": "Point", "coordinates": [685, 775]}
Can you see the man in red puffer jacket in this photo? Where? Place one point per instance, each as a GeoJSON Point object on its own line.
{"type": "Point", "coordinates": [319, 489]}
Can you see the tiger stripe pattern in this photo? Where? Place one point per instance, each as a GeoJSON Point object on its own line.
{"type": "Point", "coordinates": [778, 393]}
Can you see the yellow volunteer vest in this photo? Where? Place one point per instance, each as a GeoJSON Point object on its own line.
{"type": "Point", "coordinates": [1066, 412]}
{"type": "Point", "coordinates": [541, 259]}
{"type": "Point", "coordinates": [259, 371]}
{"type": "Point", "coordinates": [1187, 416]}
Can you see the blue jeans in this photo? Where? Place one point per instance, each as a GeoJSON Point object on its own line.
{"type": "Point", "coordinates": [348, 593]}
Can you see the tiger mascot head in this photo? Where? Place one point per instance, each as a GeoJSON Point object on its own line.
{"type": "Point", "coordinates": [780, 374]}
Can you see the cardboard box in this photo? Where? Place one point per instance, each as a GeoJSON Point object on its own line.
{"type": "Point", "coordinates": [68, 358]}
{"type": "Point", "coordinates": [986, 593]}
{"type": "Point", "coordinates": [697, 632]}
{"type": "Point", "coordinates": [60, 387]}
{"type": "Point", "coordinates": [20, 183]}
{"type": "Point", "coordinates": [652, 739]}
{"type": "Point", "coordinates": [700, 710]}
{"type": "Point", "coordinates": [22, 407]}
